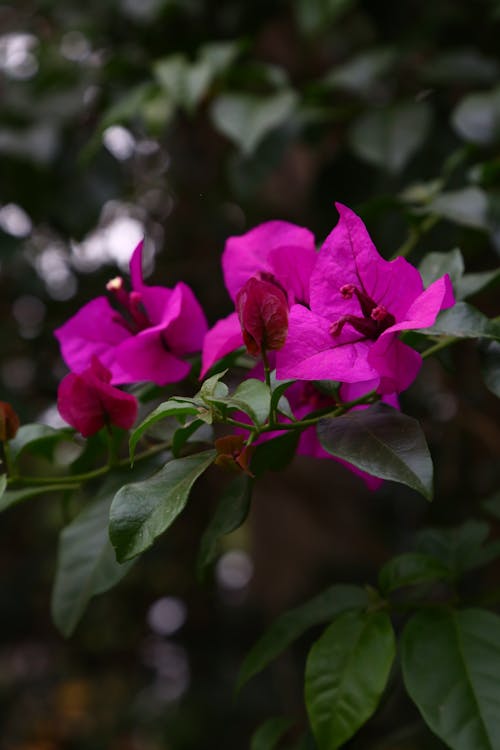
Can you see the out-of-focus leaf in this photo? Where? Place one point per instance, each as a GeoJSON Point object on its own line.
{"type": "Point", "coordinates": [410, 570]}
{"type": "Point", "coordinates": [383, 442]}
{"type": "Point", "coordinates": [269, 734]}
{"type": "Point", "coordinates": [463, 66]}
{"type": "Point", "coordinates": [490, 367]}
{"type": "Point", "coordinates": [461, 548]}
{"type": "Point", "coordinates": [39, 439]}
{"type": "Point", "coordinates": [13, 497]}
{"type": "Point", "coordinates": [315, 16]}
{"type": "Point", "coordinates": [86, 565]}
{"type": "Point", "coordinates": [477, 117]}
{"type": "Point", "coordinates": [464, 321]}
{"type": "Point", "coordinates": [231, 512]}
{"type": "Point", "coordinates": [361, 73]}
{"type": "Point", "coordinates": [435, 265]}
{"type": "Point", "coordinates": [142, 511]}
{"type": "Point", "coordinates": [247, 118]}
{"type": "Point", "coordinates": [472, 283]}
{"type": "Point", "coordinates": [459, 698]}
{"type": "Point", "coordinates": [467, 207]}
{"type": "Point", "coordinates": [389, 137]}
{"type": "Point", "coordinates": [291, 625]}
{"type": "Point", "coordinates": [346, 673]}
{"type": "Point", "coordinates": [3, 484]}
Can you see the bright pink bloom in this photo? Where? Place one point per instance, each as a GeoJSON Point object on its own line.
{"type": "Point", "coordinates": [262, 309]}
{"type": "Point", "coordinates": [277, 252]}
{"type": "Point", "coordinates": [144, 334]}
{"type": "Point", "coordinates": [359, 303]}
{"type": "Point", "coordinates": [88, 402]}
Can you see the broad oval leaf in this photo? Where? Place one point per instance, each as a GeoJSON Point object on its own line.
{"type": "Point", "coordinates": [269, 734]}
{"type": "Point", "coordinates": [410, 570]}
{"type": "Point", "coordinates": [346, 673]}
{"type": "Point", "coordinates": [467, 207]}
{"type": "Point", "coordinates": [383, 442]}
{"type": "Point", "coordinates": [477, 117]}
{"type": "Point", "coordinates": [142, 511]}
{"type": "Point", "coordinates": [389, 137]}
{"type": "Point", "coordinates": [230, 514]}
{"type": "Point", "coordinates": [451, 663]}
{"type": "Point", "coordinates": [86, 565]}
{"type": "Point", "coordinates": [291, 625]}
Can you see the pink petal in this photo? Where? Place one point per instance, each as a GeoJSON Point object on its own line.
{"type": "Point", "coordinates": [135, 266]}
{"type": "Point", "coordinates": [93, 330]}
{"type": "Point", "coordinates": [145, 357]}
{"type": "Point", "coordinates": [311, 354]}
{"type": "Point", "coordinates": [224, 337]}
{"type": "Point", "coordinates": [246, 255]}
{"type": "Point", "coordinates": [185, 324]}
{"type": "Point", "coordinates": [157, 301]}
{"type": "Point", "coordinates": [292, 267]}
{"type": "Point", "coordinates": [396, 363]}
{"type": "Point", "coordinates": [79, 405]}
{"type": "Point", "coordinates": [424, 310]}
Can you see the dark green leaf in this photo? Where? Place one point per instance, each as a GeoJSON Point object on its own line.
{"type": "Point", "coordinates": [252, 397]}
{"type": "Point", "coordinates": [275, 454]}
{"type": "Point", "coordinates": [247, 118]}
{"type": "Point", "coordinates": [361, 72]}
{"type": "Point", "coordinates": [411, 570]}
{"type": "Point", "coordinates": [278, 388]}
{"type": "Point", "coordinates": [490, 367]}
{"type": "Point", "coordinates": [142, 511]}
{"type": "Point", "coordinates": [389, 137]}
{"type": "Point", "coordinates": [435, 265]}
{"type": "Point", "coordinates": [477, 117]}
{"type": "Point", "coordinates": [451, 663]}
{"type": "Point", "coordinates": [183, 434]}
{"type": "Point", "coordinates": [461, 548]}
{"type": "Point", "coordinates": [14, 497]}
{"type": "Point", "coordinates": [467, 207]}
{"type": "Point", "coordinates": [317, 15]}
{"type": "Point", "coordinates": [269, 734]}
{"type": "Point", "coordinates": [3, 484]}
{"type": "Point", "coordinates": [291, 625]}
{"type": "Point", "coordinates": [464, 321]}
{"type": "Point", "coordinates": [174, 407]}
{"type": "Point", "coordinates": [382, 442]}
{"type": "Point", "coordinates": [346, 673]}
{"type": "Point", "coordinates": [230, 514]}
{"type": "Point", "coordinates": [86, 565]}
{"type": "Point", "coordinates": [472, 283]}
{"type": "Point", "coordinates": [492, 505]}
{"type": "Point", "coordinates": [37, 438]}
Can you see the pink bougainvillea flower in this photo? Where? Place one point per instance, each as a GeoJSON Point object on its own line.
{"type": "Point", "coordinates": [262, 310]}
{"type": "Point", "coordinates": [359, 303]}
{"type": "Point", "coordinates": [88, 401]}
{"type": "Point", "coordinates": [144, 334]}
{"type": "Point", "coordinates": [277, 252]}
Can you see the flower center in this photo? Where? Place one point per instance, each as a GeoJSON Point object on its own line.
{"type": "Point", "coordinates": [131, 312]}
{"type": "Point", "coordinates": [375, 320]}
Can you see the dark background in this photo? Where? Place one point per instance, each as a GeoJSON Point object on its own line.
{"type": "Point", "coordinates": [115, 121]}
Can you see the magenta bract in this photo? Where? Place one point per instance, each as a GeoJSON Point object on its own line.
{"type": "Point", "coordinates": [144, 334]}
{"type": "Point", "coordinates": [88, 401]}
{"type": "Point", "coordinates": [359, 303]}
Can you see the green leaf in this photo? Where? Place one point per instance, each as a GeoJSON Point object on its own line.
{"type": "Point", "coordinates": [37, 438]}
{"type": "Point", "coordinates": [382, 442]}
{"type": "Point", "coordinates": [411, 570]}
{"type": "Point", "coordinates": [477, 117]}
{"type": "Point", "coordinates": [492, 505]}
{"type": "Point", "coordinates": [467, 207]}
{"type": "Point", "coordinates": [269, 734]}
{"type": "Point", "coordinates": [389, 137]}
{"type": "Point", "coordinates": [174, 407]}
{"type": "Point", "coordinates": [14, 497]}
{"type": "Point", "coordinates": [252, 397]}
{"type": "Point", "coordinates": [230, 514]}
{"type": "Point", "coordinates": [460, 548]}
{"type": "Point", "coordinates": [291, 625]}
{"type": "Point", "coordinates": [472, 283]}
{"type": "Point", "coordinates": [86, 565]}
{"type": "Point", "coordinates": [247, 118]}
{"type": "Point", "coordinates": [361, 73]}
{"type": "Point", "coordinates": [3, 485]}
{"type": "Point", "coordinates": [435, 265]}
{"type": "Point", "coordinates": [464, 321]}
{"type": "Point", "coordinates": [275, 454]}
{"type": "Point", "coordinates": [346, 673]}
{"type": "Point", "coordinates": [490, 367]}
{"type": "Point", "coordinates": [317, 15]}
{"type": "Point", "coordinates": [142, 511]}
{"type": "Point", "coordinates": [278, 388]}
{"type": "Point", "coordinates": [451, 663]}
{"type": "Point", "coordinates": [212, 387]}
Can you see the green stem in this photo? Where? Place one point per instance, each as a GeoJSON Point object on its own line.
{"type": "Point", "coordinates": [440, 345]}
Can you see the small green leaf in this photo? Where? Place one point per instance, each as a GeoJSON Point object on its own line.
{"type": "Point", "coordinates": [269, 734]}
{"type": "Point", "coordinates": [174, 407]}
{"type": "Point", "coordinates": [230, 514]}
{"type": "Point", "coordinates": [435, 265]}
{"type": "Point", "coordinates": [86, 565]}
{"type": "Point", "coordinates": [252, 397]}
{"type": "Point", "coordinates": [278, 388]}
{"type": "Point", "coordinates": [389, 137]}
{"type": "Point", "coordinates": [382, 442]}
{"type": "Point", "coordinates": [346, 673]}
{"type": "Point", "coordinates": [14, 497]}
{"type": "Point", "coordinates": [212, 388]}
{"type": "Point", "coordinates": [464, 321]}
{"type": "Point", "coordinates": [451, 663]}
{"type": "Point", "coordinates": [467, 207]}
{"type": "Point", "coordinates": [411, 570]}
{"type": "Point", "coordinates": [291, 625]}
{"type": "Point", "coordinates": [37, 438]}
{"type": "Point", "coordinates": [247, 118]}
{"type": "Point", "coordinates": [142, 511]}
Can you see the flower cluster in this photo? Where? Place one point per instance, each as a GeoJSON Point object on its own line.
{"type": "Point", "coordinates": [335, 314]}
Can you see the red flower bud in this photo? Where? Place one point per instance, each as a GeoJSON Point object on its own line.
{"type": "Point", "coordinates": [9, 422]}
{"type": "Point", "coordinates": [87, 401]}
{"type": "Point", "coordinates": [233, 454]}
{"type": "Point", "coordinates": [263, 312]}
